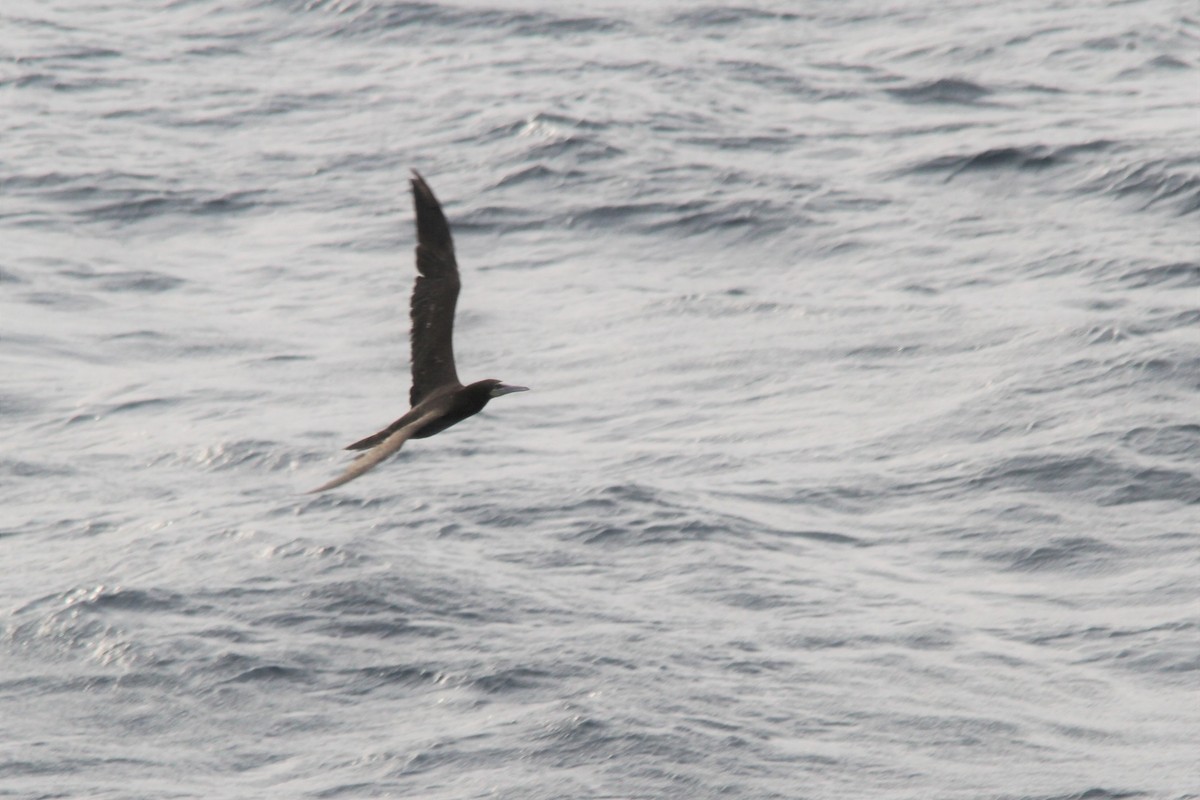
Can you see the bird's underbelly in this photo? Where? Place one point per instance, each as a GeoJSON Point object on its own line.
{"type": "Point", "coordinates": [436, 426]}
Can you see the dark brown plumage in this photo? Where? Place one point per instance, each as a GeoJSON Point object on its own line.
{"type": "Point", "coordinates": [437, 397]}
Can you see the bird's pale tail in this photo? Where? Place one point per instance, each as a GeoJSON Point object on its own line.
{"type": "Point", "coordinates": [373, 458]}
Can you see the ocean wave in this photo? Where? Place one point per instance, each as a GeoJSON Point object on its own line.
{"type": "Point", "coordinates": [124, 197]}
{"type": "Point", "coordinates": [140, 206]}
{"type": "Point", "coordinates": [1080, 553]}
{"type": "Point", "coordinates": [758, 75]}
{"type": "Point", "coordinates": [537, 173]}
{"type": "Point", "coordinates": [716, 16]}
{"type": "Point", "coordinates": [1018, 158]}
{"type": "Point", "coordinates": [941, 91]}
{"type": "Point", "coordinates": [515, 680]}
{"type": "Point", "coordinates": [781, 142]}
{"type": "Point", "coordinates": [1171, 183]}
{"type": "Point", "coordinates": [379, 17]}
{"type": "Point", "coordinates": [1181, 274]}
{"type": "Point", "coordinates": [23, 469]}
{"type": "Point", "coordinates": [1165, 440]}
{"type": "Point", "coordinates": [1110, 481]}
{"type": "Point", "coordinates": [272, 673]}
{"type": "Point", "coordinates": [88, 620]}
{"type": "Point", "coordinates": [689, 217]}
{"type": "Point", "coordinates": [236, 455]}
{"type": "Point", "coordinates": [94, 412]}
{"type": "Point", "coordinates": [148, 281]}
{"type": "Point", "coordinates": [1164, 650]}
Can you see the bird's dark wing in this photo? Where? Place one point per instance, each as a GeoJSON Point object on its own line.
{"type": "Point", "coordinates": [434, 297]}
{"type": "Point", "coordinates": [375, 438]}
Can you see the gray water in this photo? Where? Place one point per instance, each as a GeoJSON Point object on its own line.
{"type": "Point", "coordinates": [861, 456]}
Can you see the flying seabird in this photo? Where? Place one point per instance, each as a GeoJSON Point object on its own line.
{"type": "Point", "coordinates": [437, 397]}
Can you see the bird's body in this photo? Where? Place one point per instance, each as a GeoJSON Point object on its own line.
{"type": "Point", "coordinates": [437, 397]}
{"type": "Point", "coordinates": [454, 404]}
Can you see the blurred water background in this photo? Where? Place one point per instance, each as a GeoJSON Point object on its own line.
{"type": "Point", "coordinates": [861, 460]}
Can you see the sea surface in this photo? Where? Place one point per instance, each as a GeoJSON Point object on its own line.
{"type": "Point", "coordinates": [862, 459]}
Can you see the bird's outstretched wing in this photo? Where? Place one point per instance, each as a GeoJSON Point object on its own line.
{"type": "Point", "coordinates": [434, 297]}
{"type": "Point", "coordinates": [377, 455]}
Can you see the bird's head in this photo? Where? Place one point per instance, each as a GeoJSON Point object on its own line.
{"type": "Point", "coordinates": [495, 388]}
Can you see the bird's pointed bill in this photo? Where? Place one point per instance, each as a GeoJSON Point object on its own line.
{"type": "Point", "coordinates": [506, 388]}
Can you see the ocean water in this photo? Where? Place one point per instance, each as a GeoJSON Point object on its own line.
{"type": "Point", "coordinates": [861, 456]}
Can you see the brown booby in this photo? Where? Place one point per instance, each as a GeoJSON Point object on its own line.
{"type": "Point", "coordinates": [437, 397]}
